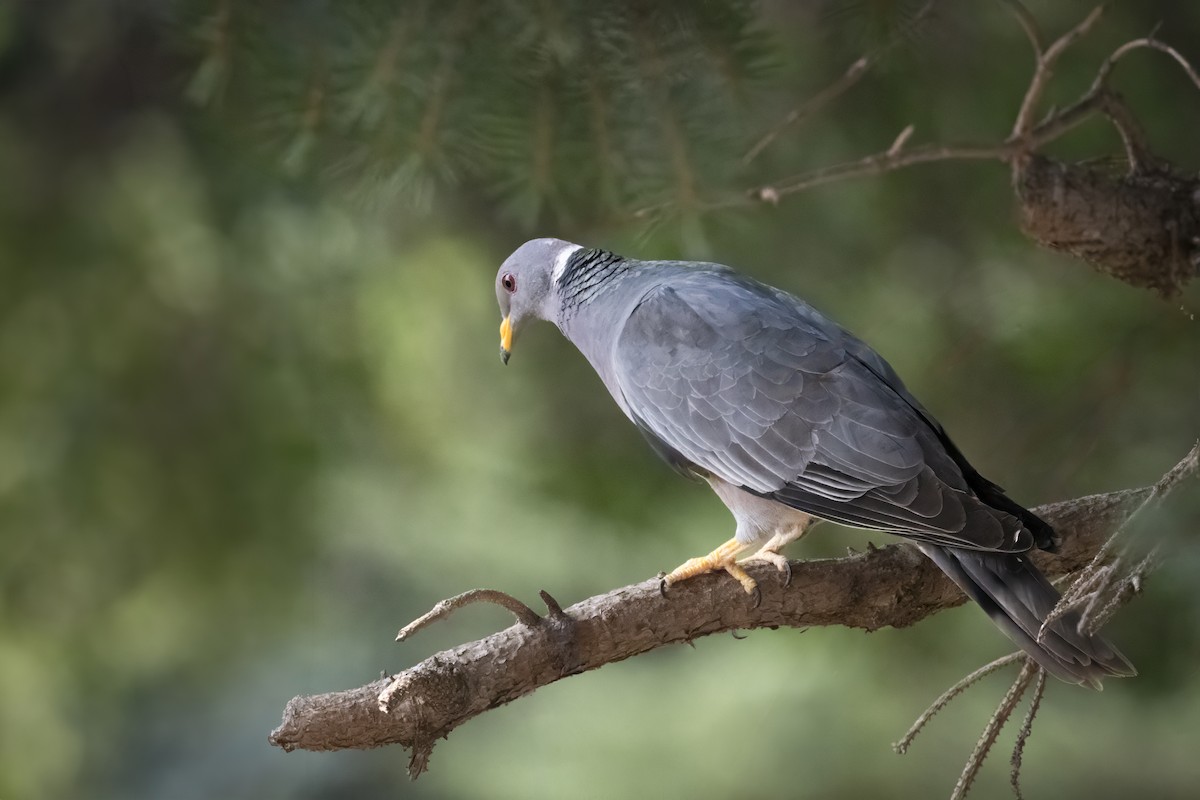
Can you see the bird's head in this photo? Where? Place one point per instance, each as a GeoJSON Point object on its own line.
{"type": "Point", "coordinates": [525, 286]}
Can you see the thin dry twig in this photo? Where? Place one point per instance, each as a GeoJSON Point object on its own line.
{"type": "Point", "coordinates": [885, 161]}
{"type": "Point", "coordinates": [1029, 25]}
{"type": "Point", "coordinates": [1045, 69]}
{"type": "Point", "coordinates": [988, 738]}
{"type": "Point", "coordinates": [1147, 42]}
{"type": "Point", "coordinates": [1137, 152]}
{"type": "Point", "coordinates": [1026, 137]}
{"type": "Point", "coordinates": [522, 612]}
{"type": "Point", "coordinates": [901, 140]}
{"type": "Point", "coordinates": [818, 101]}
{"type": "Point", "coordinates": [552, 605]}
{"type": "Point", "coordinates": [853, 74]}
{"type": "Point", "coordinates": [1092, 594]}
{"type": "Point", "coordinates": [1114, 107]}
{"type": "Point", "coordinates": [1094, 615]}
{"type": "Point", "coordinates": [1039, 690]}
{"type": "Point", "coordinates": [947, 696]}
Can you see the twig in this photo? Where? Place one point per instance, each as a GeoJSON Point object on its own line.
{"type": "Point", "coordinates": [1094, 615]}
{"type": "Point", "coordinates": [884, 162]}
{"type": "Point", "coordinates": [1093, 585]}
{"type": "Point", "coordinates": [1137, 152]}
{"type": "Point", "coordinates": [522, 612]}
{"type": "Point", "coordinates": [901, 140]}
{"type": "Point", "coordinates": [1045, 68]}
{"type": "Point", "coordinates": [947, 696]}
{"type": "Point", "coordinates": [1026, 135]}
{"type": "Point", "coordinates": [988, 738]}
{"type": "Point", "coordinates": [848, 79]}
{"type": "Point", "coordinates": [552, 605]}
{"type": "Point", "coordinates": [1039, 690]}
{"type": "Point", "coordinates": [818, 101]}
{"type": "Point", "coordinates": [1148, 42]}
{"type": "Point", "coordinates": [1132, 137]}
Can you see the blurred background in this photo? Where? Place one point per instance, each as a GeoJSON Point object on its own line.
{"type": "Point", "coordinates": [252, 418]}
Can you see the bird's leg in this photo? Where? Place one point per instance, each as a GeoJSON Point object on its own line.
{"type": "Point", "coordinates": [724, 557]}
{"type": "Point", "coordinates": [769, 552]}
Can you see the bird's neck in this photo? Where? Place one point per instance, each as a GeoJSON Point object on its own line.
{"type": "Point", "coordinates": [597, 292]}
{"type": "Point", "coordinates": [588, 274]}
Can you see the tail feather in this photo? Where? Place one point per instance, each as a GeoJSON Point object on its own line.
{"type": "Point", "coordinates": [1018, 598]}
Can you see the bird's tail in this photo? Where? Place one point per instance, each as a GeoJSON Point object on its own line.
{"type": "Point", "coordinates": [1018, 598]}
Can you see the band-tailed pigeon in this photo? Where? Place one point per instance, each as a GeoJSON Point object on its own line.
{"type": "Point", "coordinates": [791, 419]}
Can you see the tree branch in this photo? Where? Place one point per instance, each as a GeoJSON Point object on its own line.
{"type": "Point", "coordinates": [1143, 229]}
{"type": "Point", "coordinates": [893, 586]}
{"type": "Point", "coordinates": [1025, 137]}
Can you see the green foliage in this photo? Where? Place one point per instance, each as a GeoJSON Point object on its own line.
{"type": "Point", "coordinates": [562, 112]}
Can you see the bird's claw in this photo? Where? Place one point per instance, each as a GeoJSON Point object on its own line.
{"type": "Point", "coordinates": [723, 558]}
{"type": "Point", "coordinates": [780, 563]}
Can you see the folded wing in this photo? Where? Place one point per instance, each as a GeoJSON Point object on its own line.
{"type": "Point", "coordinates": [730, 377]}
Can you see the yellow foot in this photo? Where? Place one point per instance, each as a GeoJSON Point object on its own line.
{"type": "Point", "coordinates": [772, 557]}
{"type": "Point", "coordinates": [724, 557]}
{"type": "Point", "coordinates": [769, 552]}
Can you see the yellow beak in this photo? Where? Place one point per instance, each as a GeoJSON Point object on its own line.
{"type": "Point", "coordinates": [505, 340]}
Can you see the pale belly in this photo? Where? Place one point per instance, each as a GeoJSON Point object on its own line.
{"type": "Point", "coordinates": [758, 518]}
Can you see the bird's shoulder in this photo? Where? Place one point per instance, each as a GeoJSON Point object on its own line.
{"type": "Point", "coordinates": [709, 305]}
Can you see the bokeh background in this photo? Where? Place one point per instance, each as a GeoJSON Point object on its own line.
{"type": "Point", "coordinates": [252, 419]}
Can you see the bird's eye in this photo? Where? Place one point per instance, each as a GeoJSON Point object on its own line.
{"type": "Point", "coordinates": [509, 282]}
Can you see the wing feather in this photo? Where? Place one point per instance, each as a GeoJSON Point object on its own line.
{"type": "Point", "coordinates": [752, 385]}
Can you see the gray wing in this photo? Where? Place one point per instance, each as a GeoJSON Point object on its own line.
{"type": "Point", "coordinates": [730, 377]}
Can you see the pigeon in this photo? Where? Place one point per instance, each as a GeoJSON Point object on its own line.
{"type": "Point", "coordinates": [791, 419]}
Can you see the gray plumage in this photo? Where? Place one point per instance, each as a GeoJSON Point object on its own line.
{"type": "Point", "coordinates": [788, 416]}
